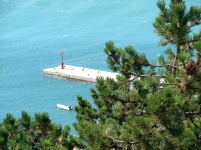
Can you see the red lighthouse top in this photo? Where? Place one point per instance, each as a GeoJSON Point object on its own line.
{"type": "Point", "coordinates": [62, 60]}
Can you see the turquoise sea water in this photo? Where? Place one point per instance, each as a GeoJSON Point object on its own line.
{"type": "Point", "coordinates": [34, 32]}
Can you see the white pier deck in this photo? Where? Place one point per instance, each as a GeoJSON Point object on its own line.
{"type": "Point", "coordinates": [78, 73]}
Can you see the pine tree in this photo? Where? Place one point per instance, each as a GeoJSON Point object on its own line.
{"type": "Point", "coordinates": [38, 133]}
{"type": "Point", "coordinates": [149, 105]}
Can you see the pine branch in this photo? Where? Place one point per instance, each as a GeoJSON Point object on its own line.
{"type": "Point", "coordinates": [136, 75]}
{"type": "Point", "coordinates": [119, 141]}
{"type": "Point", "coordinates": [166, 65]}
{"type": "Point", "coordinates": [193, 122]}
{"type": "Point", "coordinates": [155, 65]}
{"type": "Point", "coordinates": [198, 59]}
{"type": "Point", "coordinates": [194, 87]}
{"type": "Point", "coordinates": [193, 113]}
{"type": "Point", "coordinates": [175, 60]}
{"type": "Point", "coordinates": [191, 41]}
{"type": "Point", "coordinates": [125, 101]}
{"type": "Point", "coordinates": [194, 23]}
{"type": "Point", "coordinates": [170, 84]}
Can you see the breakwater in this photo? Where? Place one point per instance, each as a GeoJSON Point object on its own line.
{"type": "Point", "coordinates": [78, 73]}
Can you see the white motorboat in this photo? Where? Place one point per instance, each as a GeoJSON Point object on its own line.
{"type": "Point", "coordinates": [64, 107]}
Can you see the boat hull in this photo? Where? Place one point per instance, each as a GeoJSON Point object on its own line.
{"type": "Point", "coordinates": [64, 107]}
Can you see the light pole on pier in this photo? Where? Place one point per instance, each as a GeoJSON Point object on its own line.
{"type": "Point", "coordinates": [62, 60]}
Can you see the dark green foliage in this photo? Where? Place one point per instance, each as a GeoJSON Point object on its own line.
{"type": "Point", "coordinates": [149, 106]}
{"type": "Point", "coordinates": [125, 61]}
{"type": "Point", "coordinates": [36, 133]}
{"type": "Point", "coordinates": [3, 138]}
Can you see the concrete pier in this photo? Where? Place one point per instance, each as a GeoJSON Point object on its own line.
{"type": "Point", "coordinates": [78, 73]}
